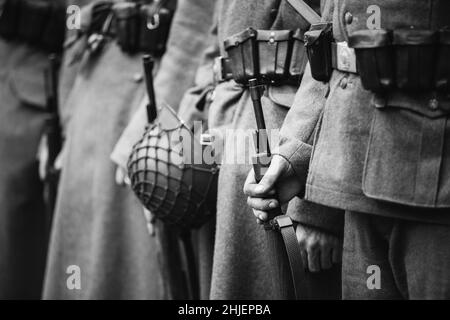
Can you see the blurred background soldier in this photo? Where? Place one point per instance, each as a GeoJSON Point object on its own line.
{"type": "Point", "coordinates": [177, 73]}
{"type": "Point", "coordinates": [29, 32]}
{"type": "Point", "coordinates": [381, 152]}
{"type": "Point", "coordinates": [241, 268]}
{"type": "Point", "coordinates": [98, 225]}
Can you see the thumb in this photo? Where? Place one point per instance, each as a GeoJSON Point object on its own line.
{"type": "Point", "coordinates": [273, 173]}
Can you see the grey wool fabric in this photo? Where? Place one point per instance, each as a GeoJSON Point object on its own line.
{"type": "Point", "coordinates": [98, 226]}
{"type": "Point", "coordinates": [22, 219]}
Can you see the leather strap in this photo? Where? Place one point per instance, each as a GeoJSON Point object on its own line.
{"type": "Point", "coordinates": [305, 11]}
{"type": "Point", "coordinates": [286, 228]}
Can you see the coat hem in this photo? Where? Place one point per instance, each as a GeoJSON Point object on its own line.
{"type": "Point", "coordinates": [361, 203]}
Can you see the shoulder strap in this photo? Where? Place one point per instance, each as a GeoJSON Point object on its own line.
{"type": "Point", "coordinates": [305, 11]}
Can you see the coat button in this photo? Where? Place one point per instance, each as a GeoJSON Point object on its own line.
{"type": "Point", "coordinates": [348, 17]}
{"type": "Point", "coordinates": [433, 104]}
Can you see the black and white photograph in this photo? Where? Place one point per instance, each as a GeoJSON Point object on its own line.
{"type": "Point", "coordinates": [225, 155]}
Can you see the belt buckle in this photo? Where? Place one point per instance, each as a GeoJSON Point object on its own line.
{"type": "Point", "coordinates": [346, 57]}
{"type": "Point", "coordinates": [218, 70]}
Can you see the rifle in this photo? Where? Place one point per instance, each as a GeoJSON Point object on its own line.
{"type": "Point", "coordinates": [286, 265]}
{"type": "Point", "coordinates": [177, 256]}
{"type": "Point", "coordinates": [149, 63]}
{"type": "Point", "coordinates": [53, 137]}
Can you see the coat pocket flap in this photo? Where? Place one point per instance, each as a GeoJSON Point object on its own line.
{"type": "Point", "coordinates": [406, 158]}
{"type": "Point", "coordinates": [429, 105]}
{"type": "Point", "coordinates": [282, 95]}
{"type": "Point", "coordinates": [29, 86]}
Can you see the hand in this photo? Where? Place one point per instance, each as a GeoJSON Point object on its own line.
{"type": "Point", "coordinates": [278, 186]}
{"type": "Point", "coordinates": [59, 160]}
{"type": "Point", "coordinates": [319, 249]}
{"type": "Point", "coordinates": [122, 178]}
{"type": "Point", "coordinates": [42, 157]}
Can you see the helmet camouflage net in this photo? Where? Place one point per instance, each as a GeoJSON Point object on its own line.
{"type": "Point", "coordinates": [166, 179]}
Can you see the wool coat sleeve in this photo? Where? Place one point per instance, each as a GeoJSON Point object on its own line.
{"type": "Point", "coordinates": [296, 144]}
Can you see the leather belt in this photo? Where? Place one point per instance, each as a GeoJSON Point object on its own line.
{"type": "Point", "coordinates": [222, 69]}
{"type": "Point", "coordinates": [222, 72]}
{"type": "Point", "coordinates": [343, 58]}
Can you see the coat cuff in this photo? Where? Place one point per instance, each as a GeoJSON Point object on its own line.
{"type": "Point", "coordinates": [130, 136]}
{"type": "Point", "coordinates": [298, 154]}
{"type": "Point", "coordinates": [314, 215]}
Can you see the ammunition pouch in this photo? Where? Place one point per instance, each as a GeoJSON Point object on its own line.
{"type": "Point", "coordinates": [374, 59]}
{"type": "Point", "coordinates": [39, 23]}
{"type": "Point", "coordinates": [405, 59]}
{"type": "Point", "coordinates": [143, 27]}
{"type": "Point", "coordinates": [318, 42]}
{"type": "Point", "coordinates": [155, 22]}
{"type": "Point", "coordinates": [242, 51]}
{"type": "Point", "coordinates": [415, 54]}
{"type": "Point", "coordinates": [127, 24]}
{"type": "Point", "coordinates": [273, 56]}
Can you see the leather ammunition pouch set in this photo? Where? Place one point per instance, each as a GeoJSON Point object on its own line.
{"type": "Point", "coordinates": [41, 23]}
{"type": "Point", "coordinates": [137, 26]}
{"type": "Point", "coordinates": [273, 56]}
{"type": "Point", "coordinates": [143, 27]}
{"type": "Point", "coordinates": [404, 59]}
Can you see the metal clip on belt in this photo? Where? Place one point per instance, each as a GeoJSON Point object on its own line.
{"type": "Point", "coordinates": [343, 58]}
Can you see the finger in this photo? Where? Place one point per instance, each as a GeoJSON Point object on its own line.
{"type": "Point", "coordinates": [302, 244]}
{"type": "Point", "coordinates": [59, 160]}
{"type": "Point", "coordinates": [304, 256]}
{"type": "Point", "coordinates": [42, 156]}
{"type": "Point", "coordinates": [249, 182]}
{"type": "Point", "coordinates": [127, 180]}
{"type": "Point", "coordinates": [262, 204]}
{"type": "Point", "coordinates": [313, 260]}
{"type": "Point", "coordinates": [337, 254]}
{"type": "Point", "coordinates": [120, 177]}
{"type": "Point", "coordinates": [325, 258]}
{"type": "Point", "coordinates": [277, 167]}
{"type": "Point", "coordinates": [271, 176]}
{"type": "Point", "coordinates": [253, 189]}
{"type": "Point", "coordinates": [147, 214]}
{"type": "Point", "coordinates": [42, 168]}
{"type": "Point", "coordinates": [261, 215]}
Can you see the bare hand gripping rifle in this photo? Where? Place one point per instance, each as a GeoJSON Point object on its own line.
{"type": "Point", "coordinates": [287, 267]}
{"type": "Point", "coordinates": [53, 137]}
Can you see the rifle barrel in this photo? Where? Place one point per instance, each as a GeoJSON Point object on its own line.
{"type": "Point", "coordinates": [148, 63]}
